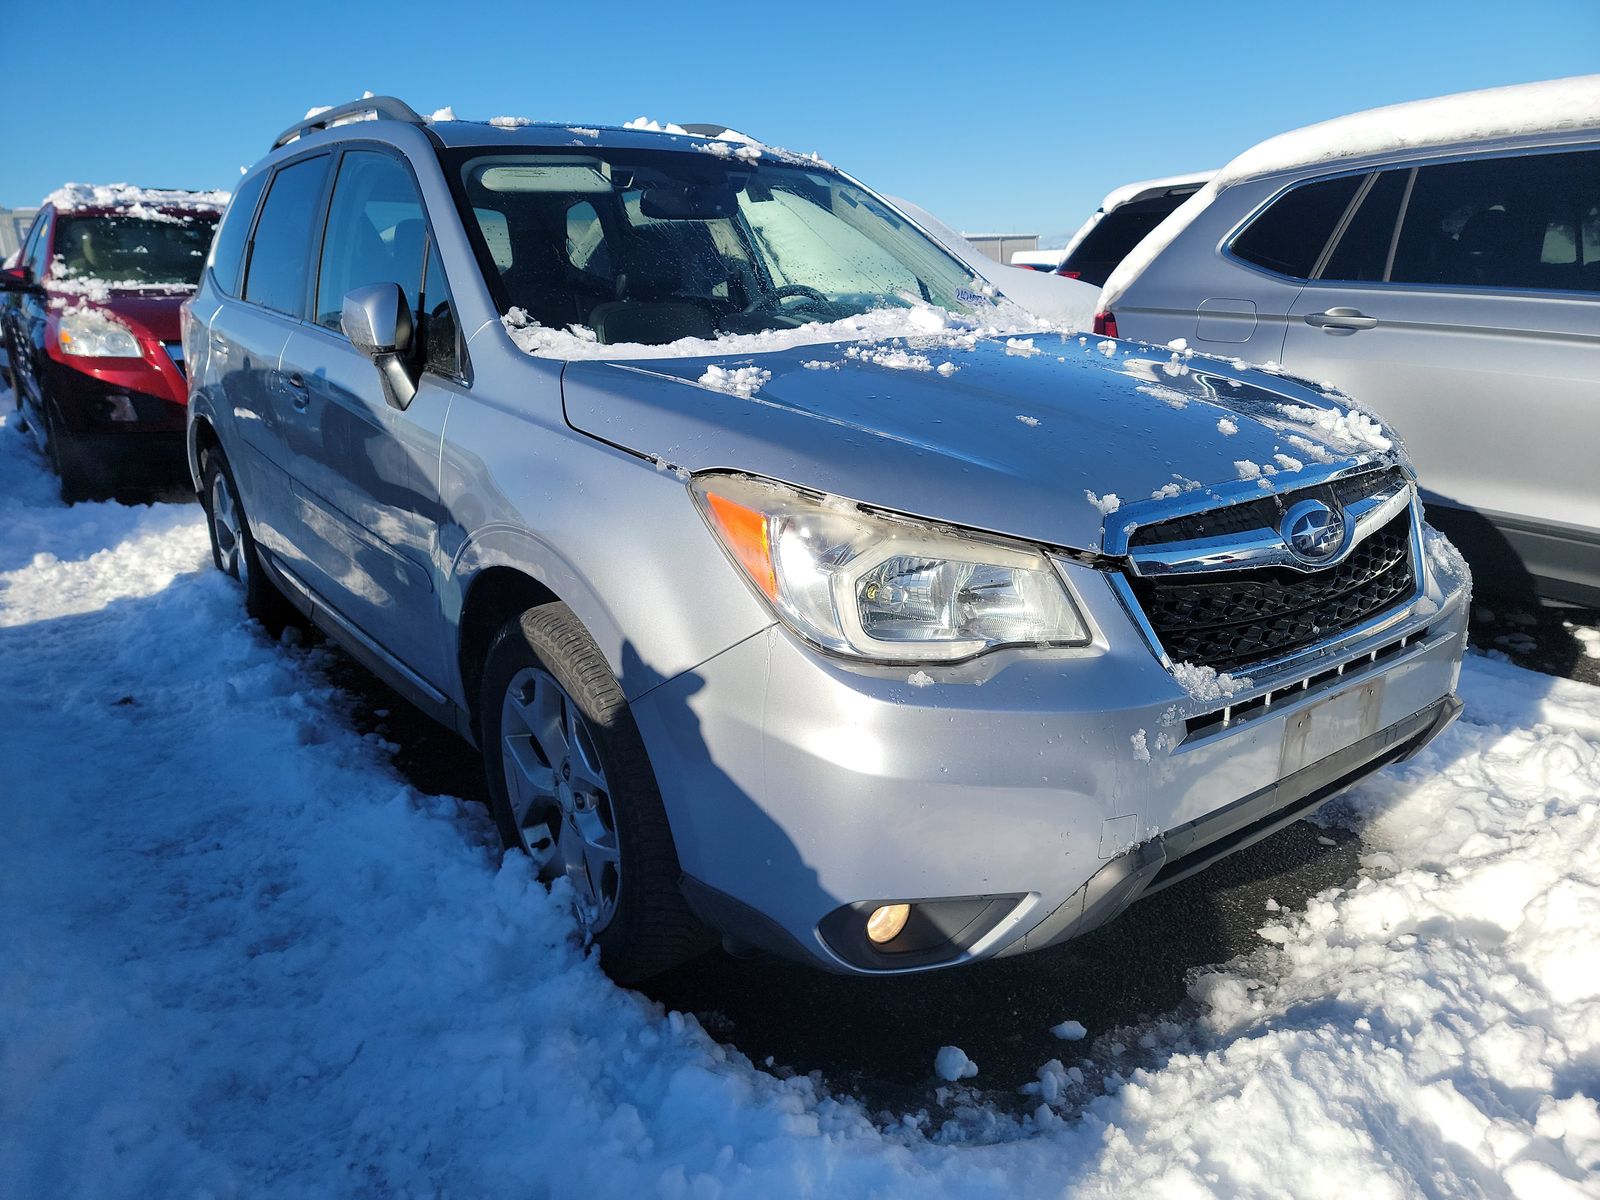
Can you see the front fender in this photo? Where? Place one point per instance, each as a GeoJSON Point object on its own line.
{"type": "Point", "coordinates": [620, 542]}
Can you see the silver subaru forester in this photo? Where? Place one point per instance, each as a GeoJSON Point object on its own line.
{"type": "Point", "coordinates": [797, 588]}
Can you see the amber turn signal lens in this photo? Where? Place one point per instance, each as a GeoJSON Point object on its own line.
{"type": "Point", "coordinates": [745, 531]}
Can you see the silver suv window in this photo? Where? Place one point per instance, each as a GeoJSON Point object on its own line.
{"type": "Point", "coordinates": [281, 247]}
{"type": "Point", "coordinates": [376, 233]}
{"type": "Point", "coordinates": [1530, 221]}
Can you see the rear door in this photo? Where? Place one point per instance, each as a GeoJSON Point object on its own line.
{"type": "Point", "coordinates": [1230, 292]}
{"type": "Point", "coordinates": [247, 340]}
{"type": "Point", "coordinates": [1462, 302]}
{"type": "Point", "coordinates": [365, 474]}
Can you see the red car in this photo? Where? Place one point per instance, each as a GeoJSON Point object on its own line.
{"type": "Point", "coordinates": [91, 329]}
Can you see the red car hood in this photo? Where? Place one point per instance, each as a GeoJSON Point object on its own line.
{"type": "Point", "coordinates": [150, 314]}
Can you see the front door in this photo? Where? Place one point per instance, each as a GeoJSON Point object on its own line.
{"type": "Point", "coordinates": [365, 474]}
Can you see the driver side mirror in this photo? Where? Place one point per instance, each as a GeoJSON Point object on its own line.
{"type": "Point", "coordinates": [17, 279]}
{"type": "Point", "coordinates": [377, 320]}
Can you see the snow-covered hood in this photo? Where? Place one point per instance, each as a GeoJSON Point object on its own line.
{"type": "Point", "coordinates": [1039, 438]}
{"type": "Point", "coordinates": [152, 313]}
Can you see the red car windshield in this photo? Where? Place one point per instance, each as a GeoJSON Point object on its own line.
{"type": "Point", "coordinates": [154, 251]}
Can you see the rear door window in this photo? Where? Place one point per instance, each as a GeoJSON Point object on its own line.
{"type": "Point", "coordinates": [1290, 236]}
{"type": "Point", "coordinates": [1523, 222]}
{"type": "Point", "coordinates": [1362, 254]}
{"type": "Point", "coordinates": [281, 250]}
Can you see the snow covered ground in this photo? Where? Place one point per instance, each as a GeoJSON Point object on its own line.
{"type": "Point", "coordinates": [239, 956]}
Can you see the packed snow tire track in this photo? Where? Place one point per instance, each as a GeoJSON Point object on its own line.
{"type": "Point", "coordinates": [241, 956]}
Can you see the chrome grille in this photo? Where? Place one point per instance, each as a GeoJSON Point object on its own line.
{"type": "Point", "coordinates": [1237, 617]}
{"type": "Point", "coordinates": [1222, 589]}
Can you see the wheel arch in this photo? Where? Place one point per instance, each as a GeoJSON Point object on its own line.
{"type": "Point", "coordinates": [201, 439]}
{"type": "Point", "coordinates": [492, 596]}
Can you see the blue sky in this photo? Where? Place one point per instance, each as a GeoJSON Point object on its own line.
{"type": "Point", "coordinates": [1019, 115]}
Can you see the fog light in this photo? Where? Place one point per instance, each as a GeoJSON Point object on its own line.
{"type": "Point", "coordinates": [885, 924]}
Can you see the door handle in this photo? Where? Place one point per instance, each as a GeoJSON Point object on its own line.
{"type": "Point", "coordinates": [1341, 320]}
{"type": "Point", "coordinates": [295, 385]}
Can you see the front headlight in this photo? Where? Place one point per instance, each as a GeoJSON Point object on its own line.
{"type": "Point", "coordinates": [887, 588]}
{"type": "Point", "coordinates": [90, 333]}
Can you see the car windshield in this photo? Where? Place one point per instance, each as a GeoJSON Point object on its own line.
{"type": "Point", "coordinates": [159, 251]}
{"type": "Point", "coordinates": [650, 246]}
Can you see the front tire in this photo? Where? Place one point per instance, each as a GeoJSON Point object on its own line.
{"type": "Point", "coordinates": [233, 546]}
{"type": "Point", "coordinates": [67, 456]}
{"type": "Point", "coordinates": [571, 785]}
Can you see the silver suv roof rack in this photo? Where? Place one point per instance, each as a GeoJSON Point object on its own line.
{"type": "Point", "coordinates": [383, 107]}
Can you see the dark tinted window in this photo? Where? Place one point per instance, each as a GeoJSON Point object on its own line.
{"type": "Point", "coordinates": [167, 250]}
{"type": "Point", "coordinates": [1290, 236]}
{"type": "Point", "coordinates": [1362, 254]}
{"type": "Point", "coordinates": [1120, 230]}
{"type": "Point", "coordinates": [227, 249]}
{"type": "Point", "coordinates": [1529, 221]}
{"type": "Point", "coordinates": [31, 242]}
{"type": "Point", "coordinates": [375, 233]}
{"type": "Point", "coordinates": [39, 255]}
{"type": "Point", "coordinates": [281, 248]}
{"type": "Point", "coordinates": [439, 331]}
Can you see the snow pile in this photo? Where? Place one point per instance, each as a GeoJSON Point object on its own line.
{"type": "Point", "coordinates": [1347, 429]}
{"type": "Point", "coordinates": [1206, 684]}
{"type": "Point", "coordinates": [952, 1063]}
{"type": "Point", "coordinates": [645, 124]}
{"type": "Point", "coordinates": [729, 150]}
{"type": "Point", "coordinates": [926, 325]}
{"type": "Point", "coordinates": [736, 381]}
{"type": "Point", "coordinates": [242, 957]}
{"type": "Point", "coordinates": [1107, 504]}
{"type": "Point", "coordinates": [1552, 106]}
{"type": "Point", "coordinates": [896, 358]}
{"type": "Point", "coordinates": [148, 203]}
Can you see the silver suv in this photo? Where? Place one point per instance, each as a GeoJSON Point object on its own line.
{"type": "Point", "coordinates": [1440, 261]}
{"type": "Point", "coordinates": [789, 598]}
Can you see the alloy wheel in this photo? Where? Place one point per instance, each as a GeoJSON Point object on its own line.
{"type": "Point", "coordinates": [559, 794]}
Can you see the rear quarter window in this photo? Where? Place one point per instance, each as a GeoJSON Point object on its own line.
{"type": "Point", "coordinates": [227, 248]}
{"type": "Point", "coordinates": [1291, 234]}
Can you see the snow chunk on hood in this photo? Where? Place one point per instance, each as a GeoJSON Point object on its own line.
{"type": "Point", "coordinates": [917, 319]}
{"type": "Point", "coordinates": [736, 381]}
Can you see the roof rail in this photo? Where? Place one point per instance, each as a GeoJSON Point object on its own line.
{"type": "Point", "coordinates": [714, 131]}
{"type": "Point", "coordinates": [381, 107]}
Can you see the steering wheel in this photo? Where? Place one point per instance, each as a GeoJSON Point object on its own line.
{"type": "Point", "coordinates": [775, 297]}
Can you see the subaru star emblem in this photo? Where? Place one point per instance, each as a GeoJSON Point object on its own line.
{"type": "Point", "coordinates": [1313, 531]}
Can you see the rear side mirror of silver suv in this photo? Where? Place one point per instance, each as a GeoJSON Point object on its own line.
{"type": "Point", "coordinates": [377, 320]}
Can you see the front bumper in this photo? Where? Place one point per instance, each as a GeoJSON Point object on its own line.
{"type": "Point", "coordinates": [1034, 794]}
